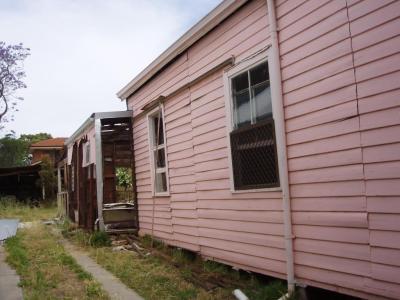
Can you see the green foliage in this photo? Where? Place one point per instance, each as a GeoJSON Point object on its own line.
{"type": "Point", "coordinates": [34, 138]}
{"type": "Point", "coordinates": [14, 151]}
{"type": "Point", "coordinates": [124, 177]}
{"type": "Point", "coordinates": [46, 270]}
{"type": "Point", "coordinates": [99, 239]}
{"type": "Point", "coordinates": [17, 253]}
{"type": "Point", "coordinates": [11, 208]}
{"type": "Point", "coordinates": [270, 291]}
{"type": "Point", "coordinates": [48, 178]}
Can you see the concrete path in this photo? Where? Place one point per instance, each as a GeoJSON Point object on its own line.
{"type": "Point", "coordinates": [111, 284]}
{"type": "Point", "coordinates": [9, 289]}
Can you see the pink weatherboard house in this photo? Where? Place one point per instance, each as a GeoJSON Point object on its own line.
{"type": "Point", "coordinates": [268, 138]}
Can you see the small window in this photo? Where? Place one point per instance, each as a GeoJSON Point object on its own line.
{"type": "Point", "coordinates": [158, 152]}
{"type": "Point", "coordinates": [253, 144]}
{"type": "Point", "coordinates": [72, 178]}
{"type": "Point", "coordinates": [87, 151]}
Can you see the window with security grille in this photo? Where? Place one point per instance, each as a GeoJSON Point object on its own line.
{"type": "Point", "coordinates": [253, 145]}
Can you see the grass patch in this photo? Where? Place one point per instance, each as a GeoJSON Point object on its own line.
{"type": "Point", "coordinates": [11, 208]}
{"type": "Point", "coordinates": [84, 239]}
{"type": "Point", "coordinates": [172, 273]}
{"type": "Point", "coordinates": [46, 270]}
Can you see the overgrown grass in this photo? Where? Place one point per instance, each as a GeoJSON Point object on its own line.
{"type": "Point", "coordinates": [172, 273]}
{"type": "Point", "coordinates": [82, 238]}
{"type": "Point", "coordinates": [46, 270]}
{"type": "Point", "coordinates": [11, 208]}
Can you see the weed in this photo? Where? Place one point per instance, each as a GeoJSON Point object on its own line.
{"type": "Point", "coordinates": [11, 208]}
{"type": "Point", "coordinates": [46, 270]}
{"type": "Point", "coordinates": [99, 239]}
{"type": "Point", "coordinates": [187, 294]}
{"type": "Point", "coordinates": [270, 291]}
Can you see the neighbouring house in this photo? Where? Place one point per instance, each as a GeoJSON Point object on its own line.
{"type": "Point", "coordinates": [50, 148]}
{"type": "Point", "coordinates": [87, 176]}
{"type": "Point", "coordinates": [268, 137]}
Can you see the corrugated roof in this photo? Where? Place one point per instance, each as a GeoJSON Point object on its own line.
{"type": "Point", "coordinates": [56, 142]}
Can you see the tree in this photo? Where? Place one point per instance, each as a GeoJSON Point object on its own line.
{"type": "Point", "coordinates": [11, 75]}
{"type": "Point", "coordinates": [34, 138]}
{"type": "Point", "coordinates": [13, 152]}
{"type": "Point", "coordinates": [124, 177]}
{"type": "Point", "coordinates": [48, 178]}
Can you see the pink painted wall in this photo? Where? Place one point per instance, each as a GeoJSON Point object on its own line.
{"type": "Point", "coordinates": [340, 63]}
{"type": "Point", "coordinates": [90, 134]}
{"type": "Point", "coordinates": [340, 69]}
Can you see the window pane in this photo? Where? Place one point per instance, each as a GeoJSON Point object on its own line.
{"type": "Point", "coordinates": [240, 83]}
{"type": "Point", "coordinates": [262, 101]}
{"type": "Point", "coordinates": [259, 74]}
{"type": "Point", "coordinates": [161, 182]}
{"type": "Point", "coordinates": [241, 100]}
{"type": "Point", "coordinates": [160, 139]}
{"type": "Point", "coordinates": [159, 158]}
{"type": "Point", "coordinates": [241, 108]}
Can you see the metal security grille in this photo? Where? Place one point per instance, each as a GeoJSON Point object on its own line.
{"type": "Point", "coordinates": [254, 156]}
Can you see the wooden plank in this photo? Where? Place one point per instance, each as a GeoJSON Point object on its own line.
{"type": "Point", "coordinates": [242, 248]}
{"type": "Point", "coordinates": [335, 234]}
{"type": "Point", "coordinates": [376, 35]}
{"type": "Point", "coordinates": [385, 170]}
{"type": "Point", "coordinates": [329, 189]}
{"type": "Point", "coordinates": [242, 205]}
{"type": "Point", "coordinates": [384, 204]}
{"type": "Point", "coordinates": [331, 204]}
{"type": "Point", "coordinates": [244, 259]}
{"type": "Point", "coordinates": [329, 174]}
{"type": "Point", "coordinates": [378, 68]}
{"type": "Point", "coordinates": [387, 187]}
{"type": "Point", "coordinates": [323, 131]}
{"type": "Point", "coordinates": [386, 273]}
{"type": "Point", "coordinates": [238, 215]}
{"type": "Point", "coordinates": [329, 248]}
{"type": "Point", "coordinates": [336, 219]}
{"type": "Point", "coordinates": [339, 264]}
{"type": "Point", "coordinates": [243, 237]}
{"type": "Point", "coordinates": [385, 256]}
{"type": "Point", "coordinates": [386, 239]}
{"type": "Point", "coordinates": [330, 114]}
{"type": "Point", "coordinates": [316, 161]}
{"type": "Point", "coordinates": [241, 226]}
{"type": "Point", "coordinates": [375, 18]}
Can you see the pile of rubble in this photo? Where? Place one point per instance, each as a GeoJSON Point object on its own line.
{"type": "Point", "coordinates": [125, 242]}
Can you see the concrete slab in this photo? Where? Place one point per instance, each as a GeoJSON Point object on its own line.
{"type": "Point", "coordinates": [9, 289]}
{"type": "Point", "coordinates": [111, 284]}
{"type": "Point", "coordinates": [8, 228]}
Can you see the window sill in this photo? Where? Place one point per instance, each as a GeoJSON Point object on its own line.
{"type": "Point", "coordinates": [161, 194]}
{"type": "Point", "coordinates": [272, 189]}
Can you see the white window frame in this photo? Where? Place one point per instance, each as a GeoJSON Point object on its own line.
{"type": "Point", "coordinates": [150, 130]}
{"type": "Point", "coordinates": [87, 153]}
{"type": "Point", "coordinates": [238, 69]}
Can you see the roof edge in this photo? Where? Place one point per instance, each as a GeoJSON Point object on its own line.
{"type": "Point", "coordinates": [201, 28]}
{"type": "Point", "coordinates": [94, 116]}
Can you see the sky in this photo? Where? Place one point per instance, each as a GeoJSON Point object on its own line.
{"type": "Point", "coordinates": [84, 51]}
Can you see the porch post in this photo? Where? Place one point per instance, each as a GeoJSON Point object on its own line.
{"type": "Point", "coordinates": [99, 173]}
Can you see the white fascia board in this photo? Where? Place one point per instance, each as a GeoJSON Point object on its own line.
{"type": "Point", "coordinates": [205, 25]}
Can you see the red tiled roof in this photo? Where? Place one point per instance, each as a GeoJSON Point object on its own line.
{"type": "Point", "coordinates": [56, 142]}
